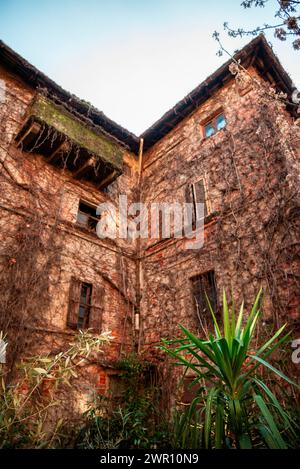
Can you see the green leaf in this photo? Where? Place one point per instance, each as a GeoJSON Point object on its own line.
{"type": "Point", "coordinates": [270, 341]}
{"type": "Point", "coordinates": [219, 432]}
{"type": "Point", "coordinates": [270, 421]}
{"type": "Point", "coordinates": [277, 406]}
{"type": "Point", "coordinates": [244, 441]}
{"type": "Point", "coordinates": [279, 373]}
{"type": "Point", "coordinates": [226, 321]}
{"type": "Point", "coordinates": [40, 371]}
{"type": "Point", "coordinates": [198, 342]}
{"type": "Point", "coordinates": [267, 436]}
{"type": "Point", "coordinates": [239, 321]}
{"type": "Point", "coordinates": [217, 329]}
{"type": "Point", "coordinates": [208, 416]}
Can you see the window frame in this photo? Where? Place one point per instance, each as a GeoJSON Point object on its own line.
{"type": "Point", "coordinates": [88, 215]}
{"type": "Point", "coordinates": [207, 201]}
{"type": "Point", "coordinates": [212, 120]}
{"type": "Point", "coordinates": [206, 198]}
{"type": "Point", "coordinates": [86, 306]}
{"type": "Point", "coordinates": [94, 304]}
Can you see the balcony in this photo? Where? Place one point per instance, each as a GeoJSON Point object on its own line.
{"type": "Point", "coordinates": [68, 143]}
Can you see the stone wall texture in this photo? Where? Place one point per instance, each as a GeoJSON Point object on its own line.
{"type": "Point", "coordinates": [251, 236]}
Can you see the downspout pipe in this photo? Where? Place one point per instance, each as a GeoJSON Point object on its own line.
{"type": "Point", "coordinates": [139, 277]}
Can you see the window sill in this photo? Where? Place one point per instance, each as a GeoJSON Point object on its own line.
{"type": "Point", "coordinates": [86, 230]}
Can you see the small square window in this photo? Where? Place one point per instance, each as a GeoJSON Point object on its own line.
{"type": "Point", "coordinates": [216, 124]}
{"type": "Point", "coordinates": [87, 216]}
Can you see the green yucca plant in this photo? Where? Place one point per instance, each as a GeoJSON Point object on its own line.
{"type": "Point", "coordinates": [237, 408]}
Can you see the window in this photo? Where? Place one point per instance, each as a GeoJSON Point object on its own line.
{"type": "Point", "coordinates": [196, 194]}
{"type": "Point", "coordinates": [204, 284]}
{"type": "Point", "coordinates": [87, 216]}
{"type": "Point", "coordinates": [85, 305]}
{"type": "Point", "coordinates": [213, 126]}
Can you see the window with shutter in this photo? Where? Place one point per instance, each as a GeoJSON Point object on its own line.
{"type": "Point", "coordinates": [96, 312]}
{"type": "Point", "coordinates": [79, 304]}
{"type": "Point", "coordinates": [202, 285]}
{"type": "Point", "coordinates": [199, 197]}
{"type": "Point", "coordinates": [195, 194]}
{"type": "Point", "coordinates": [74, 298]}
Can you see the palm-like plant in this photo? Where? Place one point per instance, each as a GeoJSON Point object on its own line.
{"type": "Point", "coordinates": [238, 408]}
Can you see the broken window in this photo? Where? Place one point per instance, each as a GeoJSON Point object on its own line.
{"type": "Point", "coordinates": [214, 125]}
{"type": "Point", "coordinates": [87, 216]}
{"type": "Point", "coordinates": [196, 194]}
{"type": "Point", "coordinates": [85, 306]}
{"type": "Point", "coordinates": [204, 285]}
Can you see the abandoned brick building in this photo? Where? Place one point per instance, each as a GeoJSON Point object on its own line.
{"type": "Point", "coordinates": [228, 144]}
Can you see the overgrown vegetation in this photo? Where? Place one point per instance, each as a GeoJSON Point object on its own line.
{"type": "Point", "coordinates": [134, 419]}
{"type": "Point", "coordinates": [26, 402]}
{"type": "Point", "coordinates": [242, 400]}
{"type": "Point", "coordinates": [237, 405]}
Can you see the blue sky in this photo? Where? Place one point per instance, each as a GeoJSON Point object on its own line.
{"type": "Point", "coordinates": [131, 59]}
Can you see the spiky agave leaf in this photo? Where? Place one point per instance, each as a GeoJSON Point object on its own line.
{"type": "Point", "coordinates": [227, 361]}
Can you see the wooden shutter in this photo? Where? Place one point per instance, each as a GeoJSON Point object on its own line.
{"type": "Point", "coordinates": [74, 299]}
{"type": "Point", "coordinates": [96, 312]}
{"type": "Point", "coordinates": [189, 194]}
{"type": "Point", "coordinates": [199, 195]}
{"type": "Point", "coordinates": [189, 199]}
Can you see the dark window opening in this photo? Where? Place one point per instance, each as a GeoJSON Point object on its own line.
{"type": "Point", "coordinates": [195, 195]}
{"type": "Point", "coordinates": [202, 285]}
{"type": "Point", "coordinates": [87, 216]}
{"type": "Point", "coordinates": [216, 124]}
{"type": "Point", "coordinates": [85, 308]}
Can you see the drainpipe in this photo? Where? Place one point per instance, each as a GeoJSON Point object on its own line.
{"type": "Point", "coordinates": [140, 164]}
{"type": "Point", "coordinates": [139, 278]}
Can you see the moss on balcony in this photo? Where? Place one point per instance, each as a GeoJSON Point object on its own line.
{"type": "Point", "coordinates": [65, 123]}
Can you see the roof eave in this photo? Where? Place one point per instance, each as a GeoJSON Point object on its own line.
{"type": "Point", "coordinates": [39, 80]}
{"type": "Point", "coordinates": [257, 47]}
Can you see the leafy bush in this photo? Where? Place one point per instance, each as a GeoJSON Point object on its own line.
{"type": "Point", "coordinates": [23, 405]}
{"type": "Point", "coordinates": [235, 407]}
{"type": "Point", "coordinates": [133, 423]}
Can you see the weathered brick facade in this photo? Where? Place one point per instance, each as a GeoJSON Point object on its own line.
{"type": "Point", "coordinates": [251, 173]}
